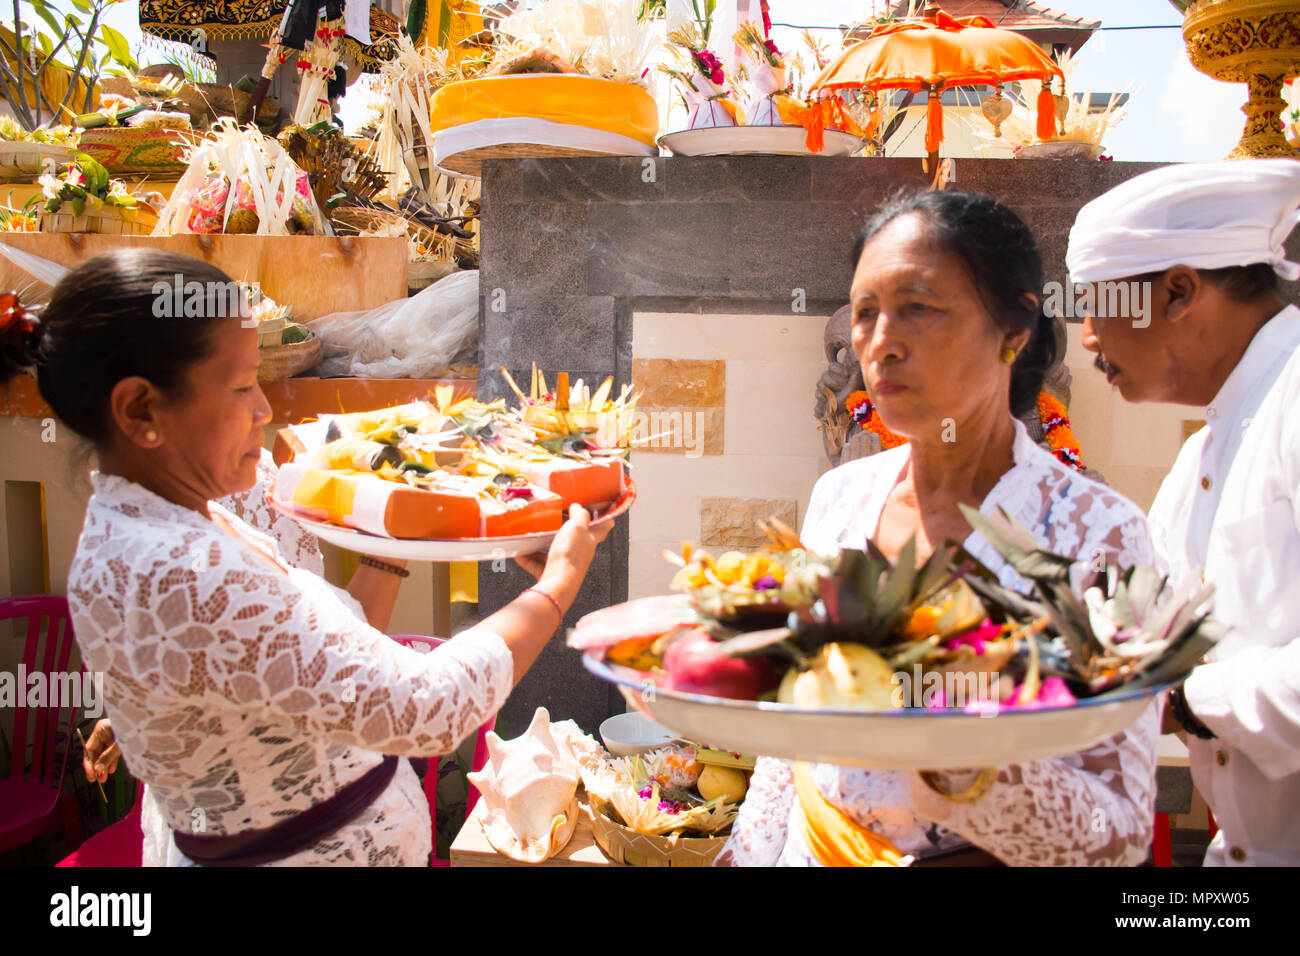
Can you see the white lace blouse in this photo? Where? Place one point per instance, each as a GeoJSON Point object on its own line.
{"type": "Point", "coordinates": [1090, 808]}
{"type": "Point", "coordinates": [242, 696]}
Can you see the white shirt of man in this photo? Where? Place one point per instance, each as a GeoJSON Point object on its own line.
{"type": "Point", "coordinates": [1231, 505]}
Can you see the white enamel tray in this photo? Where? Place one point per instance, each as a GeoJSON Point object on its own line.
{"type": "Point", "coordinates": [736, 140]}
{"type": "Point", "coordinates": [910, 739]}
{"type": "Point", "coordinates": [445, 549]}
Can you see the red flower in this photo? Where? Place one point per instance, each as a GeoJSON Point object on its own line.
{"type": "Point", "coordinates": [771, 48]}
{"type": "Point", "coordinates": [710, 66]}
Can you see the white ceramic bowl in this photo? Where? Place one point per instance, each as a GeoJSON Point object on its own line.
{"type": "Point", "coordinates": [631, 733]}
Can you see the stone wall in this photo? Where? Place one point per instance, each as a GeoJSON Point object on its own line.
{"type": "Point", "coordinates": [573, 249]}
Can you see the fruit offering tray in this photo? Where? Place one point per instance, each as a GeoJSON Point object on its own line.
{"type": "Point", "coordinates": [910, 738]}
{"type": "Point", "coordinates": [448, 549]}
{"type": "Point", "coordinates": [455, 479]}
{"type": "Point", "coordinates": [859, 660]}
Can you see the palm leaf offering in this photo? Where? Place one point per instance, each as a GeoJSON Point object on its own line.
{"type": "Point", "coordinates": [663, 791]}
{"type": "Point", "coordinates": [336, 169]}
{"type": "Point", "coordinates": [484, 470]}
{"type": "Point", "coordinates": [863, 632]}
{"type": "Point", "coordinates": [763, 586]}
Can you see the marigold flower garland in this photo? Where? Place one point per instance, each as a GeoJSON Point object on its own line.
{"type": "Point", "coordinates": [1056, 426]}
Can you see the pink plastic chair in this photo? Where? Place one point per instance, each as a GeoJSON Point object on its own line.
{"type": "Point", "coordinates": [32, 799]}
{"type": "Point", "coordinates": [119, 844]}
{"type": "Point", "coordinates": [431, 775]}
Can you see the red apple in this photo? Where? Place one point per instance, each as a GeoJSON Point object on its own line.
{"type": "Point", "coordinates": [695, 665]}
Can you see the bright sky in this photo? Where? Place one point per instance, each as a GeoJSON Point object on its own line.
{"type": "Point", "coordinates": [1175, 114]}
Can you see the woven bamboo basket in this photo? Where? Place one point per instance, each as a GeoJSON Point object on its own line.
{"type": "Point", "coordinates": [470, 162]}
{"type": "Point", "coordinates": [207, 101]}
{"type": "Point", "coordinates": [104, 220]}
{"type": "Point", "coordinates": [1059, 150]}
{"type": "Point", "coordinates": [23, 162]}
{"type": "Point", "coordinates": [271, 332]}
{"type": "Point", "coordinates": [122, 149]}
{"type": "Point", "coordinates": [642, 849]}
{"type": "Point", "coordinates": [361, 219]}
{"type": "Point", "coordinates": [285, 361]}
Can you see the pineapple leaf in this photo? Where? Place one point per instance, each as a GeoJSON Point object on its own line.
{"type": "Point", "coordinates": [1014, 542]}
{"type": "Point", "coordinates": [1144, 586]}
{"type": "Point", "coordinates": [1070, 620]}
{"type": "Point", "coordinates": [897, 589]}
{"type": "Point", "coordinates": [1122, 607]}
{"type": "Point", "coordinates": [1011, 603]}
{"type": "Point", "coordinates": [1177, 613]}
{"type": "Point", "coordinates": [1179, 659]}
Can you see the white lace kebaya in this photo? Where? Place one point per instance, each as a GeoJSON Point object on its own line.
{"type": "Point", "coordinates": [298, 546]}
{"type": "Point", "coordinates": [243, 695]}
{"type": "Point", "coordinates": [1084, 809]}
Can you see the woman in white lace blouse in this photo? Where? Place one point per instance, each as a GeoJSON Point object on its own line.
{"type": "Point", "coordinates": [949, 330]}
{"type": "Point", "coordinates": [257, 701]}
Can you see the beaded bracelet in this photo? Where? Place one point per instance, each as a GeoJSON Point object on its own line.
{"type": "Point", "coordinates": [383, 566]}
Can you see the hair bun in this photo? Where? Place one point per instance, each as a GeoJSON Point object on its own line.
{"type": "Point", "coordinates": [20, 334]}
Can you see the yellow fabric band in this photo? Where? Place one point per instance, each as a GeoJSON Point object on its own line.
{"type": "Point", "coordinates": [330, 491]}
{"type": "Point", "coordinates": [559, 97]}
{"type": "Point", "coordinates": [833, 838]}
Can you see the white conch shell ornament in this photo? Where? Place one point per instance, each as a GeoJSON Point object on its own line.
{"type": "Point", "coordinates": [529, 787]}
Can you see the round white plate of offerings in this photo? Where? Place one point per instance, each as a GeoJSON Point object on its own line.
{"type": "Point", "coordinates": [448, 549]}
{"type": "Point", "coordinates": [863, 661]}
{"type": "Point", "coordinates": [904, 739]}
{"type": "Point", "coordinates": [454, 479]}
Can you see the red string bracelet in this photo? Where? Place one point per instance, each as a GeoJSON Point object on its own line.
{"type": "Point", "coordinates": [554, 603]}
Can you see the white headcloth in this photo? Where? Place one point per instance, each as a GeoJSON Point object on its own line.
{"type": "Point", "coordinates": [1202, 215]}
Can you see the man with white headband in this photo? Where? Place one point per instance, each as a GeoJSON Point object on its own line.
{"type": "Point", "coordinates": [1207, 242]}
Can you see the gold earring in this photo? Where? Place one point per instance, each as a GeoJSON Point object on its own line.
{"type": "Point", "coordinates": [151, 435]}
{"type": "Point", "coordinates": [1008, 355]}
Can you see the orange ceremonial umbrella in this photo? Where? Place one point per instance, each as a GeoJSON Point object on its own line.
{"type": "Point", "coordinates": [934, 52]}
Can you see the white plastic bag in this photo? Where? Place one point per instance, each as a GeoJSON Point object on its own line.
{"type": "Point", "coordinates": [407, 338]}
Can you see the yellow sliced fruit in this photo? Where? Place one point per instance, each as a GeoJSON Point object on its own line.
{"type": "Point", "coordinates": [637, 653]}
{"type": "Point", "coordinates": [841, 675]}
{"type": "Point", "coordinates": [963, 610]}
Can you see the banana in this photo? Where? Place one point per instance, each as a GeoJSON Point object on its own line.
{"type": "Point", "coordinates": [840, 675]}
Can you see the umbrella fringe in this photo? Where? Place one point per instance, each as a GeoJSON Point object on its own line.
{"type": "Point", "coordinates": [933, 123]}
{"type": "Point", "coordinates": [1046, 111]}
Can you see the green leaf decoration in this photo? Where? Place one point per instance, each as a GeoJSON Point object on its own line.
{"type": "Point", "coordinates": [415, 18]}
{"type": "Point", "coordinates": [43, 11]}
{"type": "Point", "coordinates": [117, 44]}
{"type": "Point", "coordinates": [444, 23]}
